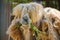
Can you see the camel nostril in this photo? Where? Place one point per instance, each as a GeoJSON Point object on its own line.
{"type": "Point", "coordinates": [25, 19]}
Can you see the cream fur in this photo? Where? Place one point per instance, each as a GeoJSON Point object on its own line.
{"type": "Point", "coordinates": [35, 12]}
{"type": "Point", "coordinates": [54, 17]}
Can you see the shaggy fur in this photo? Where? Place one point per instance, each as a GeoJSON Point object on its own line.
{"type": "Point", "coordinates": [45, 19]}
{"type": "Point", "coordinates": [34, 12]}
{"type": "Point", "coordinates": [53, 15]}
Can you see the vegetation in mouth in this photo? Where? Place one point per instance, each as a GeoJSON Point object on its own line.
{"type": "Point", "coordinates": [37, 33]}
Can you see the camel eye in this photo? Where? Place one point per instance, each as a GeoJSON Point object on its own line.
{"type": "Point", "coordinates": [48, 10]}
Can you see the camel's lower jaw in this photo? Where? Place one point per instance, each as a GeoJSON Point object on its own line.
{"type": "Point", "coordinates": [26, 32]}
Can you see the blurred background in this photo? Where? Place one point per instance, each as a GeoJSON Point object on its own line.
{"type": "Point", "coordinates": [6, 7]}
